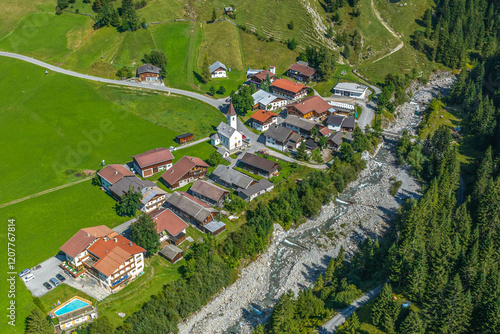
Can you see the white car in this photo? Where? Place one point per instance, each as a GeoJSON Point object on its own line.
{"type": "Point", "coordinates": [171, 148]}
{"type": "Point", "coordinates": [28, 277]}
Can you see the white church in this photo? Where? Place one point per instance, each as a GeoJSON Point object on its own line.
{"type": "Point", "coordinates": [227, 134]}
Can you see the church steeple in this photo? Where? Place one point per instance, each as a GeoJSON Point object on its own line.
{"type": "Point", "coordinates": [231, 116]}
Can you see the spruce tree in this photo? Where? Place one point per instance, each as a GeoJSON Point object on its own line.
{"type": "Point", "coordinates": [412, 324]}
{"type": "Point", "coordinates": [37, 323]}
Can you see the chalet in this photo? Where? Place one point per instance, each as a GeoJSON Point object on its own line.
{"type": "Point", "coordinates": [152, 199]}
{"type": "Point", "coordinates": [302, 71]}
{"type": "Point", "coordinates": [289, 89]}
{"type": "Point", "coordinates": [152, 196]}
{"type": "Point", "coordinates": [259, 165]}
{"type": "Point", "coordinates": [230, 178]}
{"type": "Point", "coordinates": [349, 124]}
{"type": "Point", "coordinates": [261, 77]}
{"type": "Point", "coordinates": [282, 138]}
{"type": "Point", "coordinates": [300, 125]}
{"type": "Point", "coordinates": [111, 174]}
{"type": "Point", "coordinates": [172, 253]}
{"type": "Point", "coordinates": [262, 119]}
{"type": "Point", "coordinates": [197, 212]}
{"type": "Point", "coordinates": [148, 73]}
{"type": "Point", "coordinates": [350, 89]}
{"type": "Point", "coordinates": [334, 122]}
{"type": "Point", "coordinates": [257, 189]}
{"type": "Point", "coordinates": [228, 10]}
{"type": "Point", "coordinates": [310, 145]}
{"type": "Point", "coordinates": [185, 171]}
{"type": "Point", "coordinates": [217, 70]}
{"type": "Point", "coordinates": [209, 193]}
{"type": "Point", "coordinates": [110, 259]}
{"type": "Point", "coordinates": [267, 101]}
{"type": "Point", "coordinates": [310, 107]}
{"type": "Point", "coordinates": [185, 138]}
{"type": "Point", "coordinates": [335, 140]}
{"type": "Point", "coordinates": [152, 161]}
{"type": "Point", "coordinates": [170, 227]}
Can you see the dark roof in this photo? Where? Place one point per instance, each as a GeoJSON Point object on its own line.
{"type": "Point", "coordinates": [208, 190]}
{"type": "Point", "coordinates": [185, 135]}
{"type": "Point", "coordinates": [279, 133]}
{"type": "Point", "coordinates": [262, 184]}
{"type": "Point", "coordinates": [181, 167]}
{"type": "Point", "coordinates": [302, 69]}
{"type": "Point", "coordinates": [336, 138]}
{"type": "Point", "coordinates": [232, 177]}
{"type": "Point", "coordinates": [153, 157]}
{"type": "Point", "coordinates": [148, 69]}
{"type": "Point", "coordinates": [191, 205]}
{"type": "Point", "coordinates": [170, 251]}
{"type": "Point", "coordinates": [335, 120]}
{"type": "Point", "coordinates": [262, 75]}
{"type": "Point", "coordinates": [258, 162]}
{"type": "Point", "coordinates": [311, 144]}
{"type": "Point", "coordinates": [299, 122]}
{"type": "Point", "coordinates": [122, 186]}
{"type": "Point", "coordinates": [349, 122]}
{"type": "Point", "coordinates": [214, 226]}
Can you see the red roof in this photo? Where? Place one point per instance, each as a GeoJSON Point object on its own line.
{"type": "Point", "coordinates": [262, 75]}
{"type": "Point", "coordinates": [167, 220]}
{"type": "Point", "coordinates": [112, 252]}
{"type": "Point", "coordinates": [153, 157]}
{"type": "Point", "coordinates": [288, 85]}
{"type": "Point", "coordinates": [303, 69]}
{"type": "Point", "coordinates": [83, 238]}
{"type": "Point", "coordinates": [310, 103]}
{"type": "Point", "coordinates": [181, 167]}
{"type": "Point", "coordinates": [325, 131]}
{"type": "Point", "coordinates": [114, 173]}
{"type": "Point", "coordinates": [231, 111]}
{"type": "Point", "coordinates": [263, 115]}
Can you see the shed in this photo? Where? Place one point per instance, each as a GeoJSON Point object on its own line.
{"type": "Point", "coordinates": [172, 253]}
{"type": "Point", "coordinates": [185, 138]}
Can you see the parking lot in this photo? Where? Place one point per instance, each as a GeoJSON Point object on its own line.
{"type": "Point", "coordinates": [49, 269]}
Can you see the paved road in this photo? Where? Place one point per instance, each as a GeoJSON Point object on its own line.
{"type": "Point", "coordinates": [215, 103]}
{"type": "Point", "coordinates": [341, 317]}
{"type": "Point", "coordinates": [202, 140]}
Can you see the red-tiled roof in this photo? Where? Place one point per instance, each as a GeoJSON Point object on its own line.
{"type": "Point", "coordinates": [114, 173]}
{"type": "Point", "coordinates": [310, 103]}
{"type": "Point", "coordinates": [288, 85]}
{"type": "Point", "coordinates": [262, 75]}
{"type": "Point", "coordinates": [263, 115]}
{"type": "Point", "coordinates": [113, 253]}
{"type": "Point", "coordinates": [83, 238]}
{"type": "Point", "coordinates": [325, 131]}
{"type": "Point", "coordinates": [181, 167]}
{"type": "Point", "coordinates": [167, 220]}
{"type": "Point", "coordinates": [208, 190]}
{"type": "Point", "coordinates": [303, 69]}
{"type": "Point", "coordinates": [153, 157]}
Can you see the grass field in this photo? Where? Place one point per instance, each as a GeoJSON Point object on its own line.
{"type": "Point", "coordinates": [14, 10]}
{"type": "Point", "coordinates": [222, 43]}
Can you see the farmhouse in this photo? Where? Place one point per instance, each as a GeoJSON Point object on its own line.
{"type": "Point", "coordinates": [148, 73]}
{"type": "Point", "coordinates": [301, 71]}
{"type": "Point", "coordinates": [267, 101]}
{"type": "Point", "coordinates": [196, 212]}
{"type": "Point", "coordinates": [104, 255]}
{"type": "Point", "coordinates": [257, 189]}
{"type": "Point", "coordinates": [230, 178]}
{"type": "Point", "coordinates": [209, 193]}
{"type": "Point", "coordinates": [184, 171]}
{"type": "Point", "coordinates": [169, 226]}
{"type": "Point", "coordinates": [289, 89]}
{"type": "Point", "coordinates": [282, 138]}
{"type": "Point", "coordinates": [261, 77]}
{"type": "Point", "coordinates": [152, 196]}
{"type": "Point", "coordinates": [152, 161]}
{"type": "Point", "coordinates": [259, 165]}
{"type": "Point", "coordinates": [350, 89]}
{"type": "Point", "coordinates": [111, 174]}
{"type": "Point", "coordinates": [349, 124]}
{"type": "Point", "coordinates": [300, 125]}
{"type": "Point", "coordinates": [228, 10]}
{"type": "Point", "coordinates": [334, 122]}
{"type": "Point", "coordinates": [184, 138]}
{"type": "Point", "coordinates": [311, 107]}
{"type": "Point", "coordinates": [217, 70]}
{"type": "Point", "coordinates": [172, 253]}
{"type": "Point", "coordinates": [262, 119]}
{"type": "Point", "coordinates": [310, 145]}
{"type": "Point", "coordinates": [335, 140]}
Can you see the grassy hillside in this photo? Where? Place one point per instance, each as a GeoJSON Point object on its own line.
{"type": "Point", "coordinates": [14, 10]}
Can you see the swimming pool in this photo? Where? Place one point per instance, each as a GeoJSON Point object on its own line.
{"type": "Point", "coordinates": [73, 305]}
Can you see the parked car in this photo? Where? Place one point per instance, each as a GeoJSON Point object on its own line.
{"type": "Point", "coordinates": [60, 277]}
{"type": "Point", "coordinates": [28, 277]}
{"type": "Point", "coordinates": [24, 272]}
{"type": "Point", "coordinates": [171, 148]}
{"type": "Point", "coordinates": [54, 282]}
{"type": "Point", "coordinates": [244, 137]}
{"type": "Point", "coordinates": [47, 286]}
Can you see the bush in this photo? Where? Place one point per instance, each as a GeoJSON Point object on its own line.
{"type": "Point", "coordinates": [292, 44]}
{"type": "Point", "coordinates": [290, 25]}
{"type": "Point", "coordinates": [395, 187]}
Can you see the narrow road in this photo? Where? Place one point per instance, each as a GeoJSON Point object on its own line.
{"type": "Point", "coordinates": [45, 192]}
{"type": "Point", "coordinates": [215, 103]}
{"type": "Point", "coordinates": [341, 317]}
{"type": "Point", "coordinates": [192, 143]}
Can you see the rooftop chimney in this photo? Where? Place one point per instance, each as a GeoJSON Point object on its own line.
{"type": "Point", "coordinates": [88, 234]}
{"type": "Point", "coordinates": [115, 239]}
{"type": "Point", "coordinates": [116, 172]}
{"type": "Point", "coordinates": [130, 243]}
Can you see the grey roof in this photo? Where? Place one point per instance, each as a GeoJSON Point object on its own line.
{"type": "Point", "coordinates": [260, 163]}
{"type": "Point", "coordinates": [225, 130]}
{"type": "Point", "coordinates": [304, 63]}
{"type": "Point", "coordinates": [350, 86]}
{"type": "Point", "coordinates": [208, 190]}
{"type": "Point", "coordinates": [149, 193]}
{"type": "Point", "coordinates": [310, 144]}
{"type": "Point", "coordinates": [189, 205]}
{"type": "Point", "coordinates": [148, 69]}
{"type": "Point", "coordinates": [349, 122]}
{"type": "Point", "coordinates": [278, 133]}
{"type": "Point", "coordinates": [336, 138]}
{"type": "Point", "coordinates": [215, 136]}
{"type": "Point", "coordinates": [230, 176]}
{"type": "Point", "coordinates": [221, 150]}
{"type": "Point", "coordinates": [214, 226]}
{"type": "Point", "coordinates": [263, 97]}
{"type": "Point", "coordinates": [122, 186]}
{"type": "Point", "coordinates": [215, 66]}
{"type": "Point", "coordinates": [262, 184]}
{"type": "Point", "coordinates": [170, 251]}
{"type": "Point", "coordinates": [299, 122]}
{"type": "Point", "coordinates": [335, 120]}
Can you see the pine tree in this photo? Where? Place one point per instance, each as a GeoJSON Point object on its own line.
{"type": "Point", "coordinates": [130, 203]}
{"type": "Point", "coordinates": [144, 234]}
{"type": "Point", "coordinates": [412, 324]}
{"type": "Point", "coordinates": [383, 305]}
{"type": "Point", "coordinates": [456, 309]}
{"type": "Point", "coordinates": [37, 323]}
{"type": "Point", "coordinates": [205, 71]}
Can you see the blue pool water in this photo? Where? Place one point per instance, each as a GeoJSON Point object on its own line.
{"type": "Point", "coordinates": [73, 305]}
